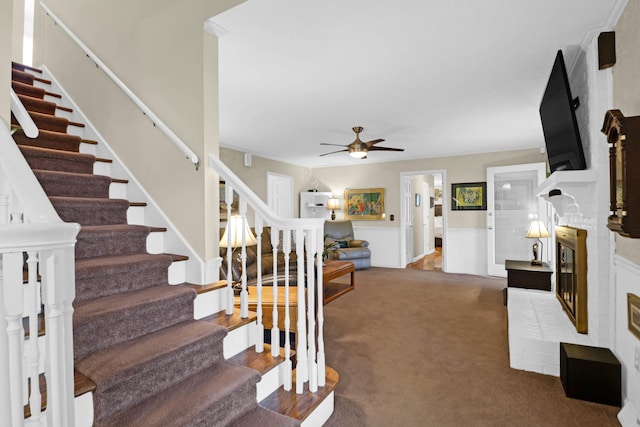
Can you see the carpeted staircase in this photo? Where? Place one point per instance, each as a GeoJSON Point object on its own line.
{"type": "Point", "coordinates": [134, 333]}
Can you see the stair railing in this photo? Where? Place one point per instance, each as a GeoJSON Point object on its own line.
{"type": "Point", "coordinates": [175, 139]}
{"type": "Point", "coordinates": [22, 116]}
{"type": "Point", "coordinates": [37, 278]}
{"type": "Point", "coordinates": [291, 238]}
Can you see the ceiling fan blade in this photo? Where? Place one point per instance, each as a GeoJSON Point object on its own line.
{"type": "Point", "coordinates": [385, 149]}
{"type": "Point", "coordinates": [333, 152]}
{"type": "Point", "coordinates": [372, 142]}
{"type": "Point", "coordinates": [337, 145]}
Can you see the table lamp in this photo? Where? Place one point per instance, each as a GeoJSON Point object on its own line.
{"type": "Point", "coordinates": [537, 230]}
{"type": "Point", "coordinates": [333, 204]}
{"type": "Point", "coordinates": [236, 227]}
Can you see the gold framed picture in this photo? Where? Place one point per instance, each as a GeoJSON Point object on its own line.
{"type": "Point", "coordinates": [633, 310]}
{"type": "Point", "coordinates": [364, 204]}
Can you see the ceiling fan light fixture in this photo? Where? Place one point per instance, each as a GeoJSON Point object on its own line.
{"type": "Point", "coordinates": [358, 150]}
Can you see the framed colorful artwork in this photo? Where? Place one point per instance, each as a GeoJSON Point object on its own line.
{"type": "Point", "coordinates": [364, 204]}
{"type": "Point", "coordinates": [471, 196]}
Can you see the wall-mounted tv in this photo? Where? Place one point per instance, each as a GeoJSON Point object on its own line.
{"type": "Point", "coordinates": [559, 124]}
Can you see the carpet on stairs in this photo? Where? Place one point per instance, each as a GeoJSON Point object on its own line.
{"type": "Point", "coordinates": [134, 333]}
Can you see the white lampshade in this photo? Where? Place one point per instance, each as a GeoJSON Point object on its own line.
{"type": "Point", "coordinates": [333, 204]}
{"type": "Point", "coordinates": [358, 154]}
{"type": "Point", "coordinates": [537, 230]}
{"type": "Point", "coordinates": [234, 231]}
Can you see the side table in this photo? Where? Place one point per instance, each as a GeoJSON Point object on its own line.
{"type": "Point", "coordinates": [521, 274]}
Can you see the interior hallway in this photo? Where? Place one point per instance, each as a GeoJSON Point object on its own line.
{"type": "Point", "coordinates": [429, 262]}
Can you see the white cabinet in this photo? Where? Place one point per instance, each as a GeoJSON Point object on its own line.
{"type": "Point", "coordinates": [313, 204]}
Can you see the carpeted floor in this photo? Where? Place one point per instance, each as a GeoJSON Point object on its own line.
{"type": "Point", "coordinates": [426, 348]}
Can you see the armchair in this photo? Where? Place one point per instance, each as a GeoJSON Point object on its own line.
{"type": "Point", "coordinates": [347, 248]}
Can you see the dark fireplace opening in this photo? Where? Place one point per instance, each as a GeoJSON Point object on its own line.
{"type": "Point", "coordinates": [571, 274]}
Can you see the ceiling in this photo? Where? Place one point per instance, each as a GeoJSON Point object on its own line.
{"type": "Point", "coordinates": [435, 78]}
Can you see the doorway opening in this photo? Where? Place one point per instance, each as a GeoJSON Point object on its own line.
{"type": "Point", "coordinates": [423, 219]}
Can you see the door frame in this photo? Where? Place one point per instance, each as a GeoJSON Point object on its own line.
{"type": "Point", "coordinates": [272, 180]}
{"type": "Point", "coordinates": [445, 204]}
{"type": "Point", "coordinates": [494, 269]}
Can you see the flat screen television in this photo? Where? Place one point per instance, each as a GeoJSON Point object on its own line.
{"type": "Point", "coordinates": [559, 124]}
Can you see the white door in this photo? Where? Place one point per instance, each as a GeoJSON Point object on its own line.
{"type": "Point", "coordinates": [511, 205]}
{"type": "Point", "coordinates": [280, 194]}
{"type": "Point", "coordinates": [427, 241]}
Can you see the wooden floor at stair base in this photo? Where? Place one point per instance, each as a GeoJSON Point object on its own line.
{"type": "Point", "coordinates": [299, 406]}
{"type": "Point", "coordinates": [82, 385]}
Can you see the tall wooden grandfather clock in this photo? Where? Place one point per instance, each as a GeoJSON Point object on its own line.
{"type": "Point", "coordinates": [623, 137]}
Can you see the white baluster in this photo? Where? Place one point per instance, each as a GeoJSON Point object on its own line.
{"type": "Point", "coordinates": [32, 350]}
{"type": "Point", "coordinates": [58, 292]}
{"type": "Point", "coordinates": [5, 386]}
{"type": "Point", "coordinates": [275, 330]}
{"type": "Point", "coordinates": [13, 297]}
{"type": "Point", "coordinates": [244, 295]}
{"type": "Point", "coordinates": [229, 200]}
{"type": "Point", "coordinates": [313, 366]}
{"type": "Point", "coordinates": [286, 249]}
{"type": "Point", "coordinates": [302, 374]}
{"type": "Point", "coordinates": [260, 325]}
{"type": "Point", "coordinates": [321, 370]}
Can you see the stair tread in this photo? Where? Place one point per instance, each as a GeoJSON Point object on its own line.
{"type": "Point", "coordinates": [202, 391]}
{"type": "Point", "coordinates": [232, 321]}
{"type": "Point", "coordinates": [83, 200]}
{"type": "Point", "coordinates": [201, 289]}
{"type": "Point", "coordinates": [24, 67]}
{"type": "Point", "coordinates": [112, 228]}
{"type": "Point", "coordinates": [96, 262]}
{"type": "Point", "coordinates": [50, 152]}
{"type": "Point", "coordinates": [107, 367]}
{"type": "Point", "coordinates": [300, 406]}
{"type": "Point", "coordinates": [112, 303]}
{"type": "Point", "coordinates": [81, 384]}
{"type": "Point", "coordinates": [261, 362]}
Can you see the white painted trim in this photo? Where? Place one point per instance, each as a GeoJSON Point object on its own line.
{"type": "Point", "coordinates": [402, 244]}
{"type": "Point", "coordinates": [321, 414]}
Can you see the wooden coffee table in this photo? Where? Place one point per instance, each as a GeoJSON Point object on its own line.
{"type": "Point", "coordinates": [267, 305]}
{"type": "Point", "coordinates": [331, 270]}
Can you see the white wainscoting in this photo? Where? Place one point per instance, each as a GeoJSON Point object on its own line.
{"type": "Point", "coordinates": [466, 248]}
{"type": "Point", "coordinates": [627, 280]}
{"type": "Point", "coordinates": [384, 243]}
{"type": "Point", "coordinates": [465, 251]}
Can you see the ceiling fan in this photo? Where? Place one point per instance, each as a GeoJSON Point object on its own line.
{"type": "Point", "coordinates": [359, 149]}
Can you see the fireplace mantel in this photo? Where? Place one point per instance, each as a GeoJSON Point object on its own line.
{"type": "Point", "coordinates": [570, 192]}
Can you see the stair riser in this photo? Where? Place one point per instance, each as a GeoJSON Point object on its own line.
{"type": "Point", "coordinates": [90, 245]}
{"type": "Point", "coordinates": [150, 379]}
{"type": "Point", "coordinates": [105, 281]}
{"type": "Point", "coordinates": [107, 212]}
{"type": "Point", "coordinates": [80, 186]}
{"type": "Point", "coordinates": [119, 326]}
